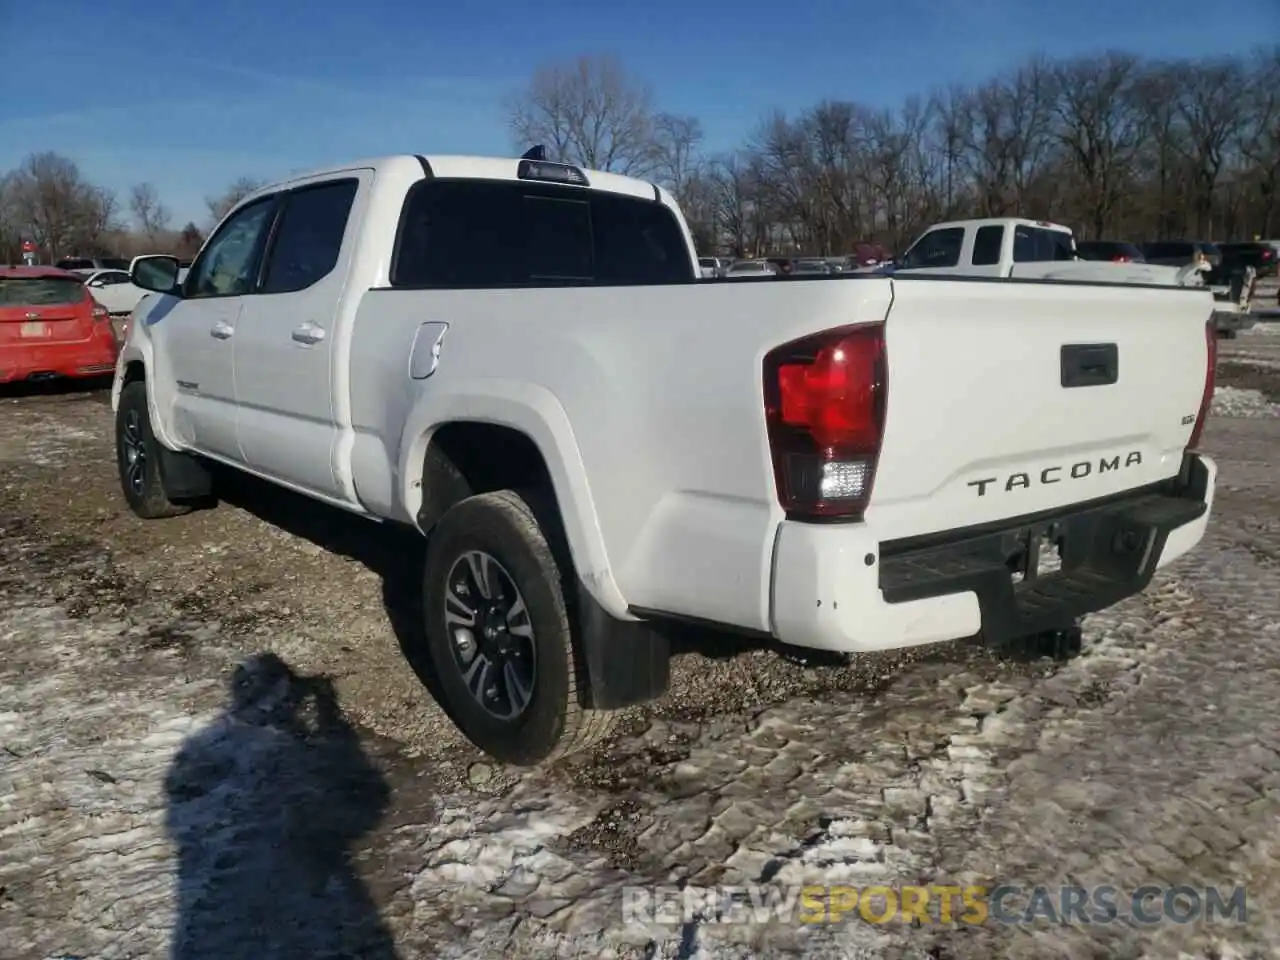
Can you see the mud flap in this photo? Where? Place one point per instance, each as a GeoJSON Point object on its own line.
{"type": "Point", "coordinates": [627, 661]}
{"type": "Point", "coordinates": [183, 476]}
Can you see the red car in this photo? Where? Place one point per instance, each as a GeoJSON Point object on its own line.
{"type": "Point", "coordinates": [50, 326]}
{"type": "Point", "coordinates": [867, 254]}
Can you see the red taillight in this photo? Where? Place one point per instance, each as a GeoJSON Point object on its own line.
{"type": "Point", "coordinates": [1121, 258]}
{"type": "Point", "coordinates": [1206, 399]}
{"type": "Point", "coordinates": [100, 313]}
{"type": "Point", "coordinates": [1266, 254]}
{"type": "Point", "coordinates": [824, 400]}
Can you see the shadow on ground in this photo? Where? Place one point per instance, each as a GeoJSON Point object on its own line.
{"type": "Point", "coordinates": [264, 807]}
{"type": "Point", "coordinates": [87, 388]}
{"type": "Point", "coordinates": [394, 553]}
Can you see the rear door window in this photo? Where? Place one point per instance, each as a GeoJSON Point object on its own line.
{"type": "Point", "coordinates": [479, 233]}
{"type": "Point", "coordinates": [309, 237]}
{"type": "Point", "coordinates": [987, 243]}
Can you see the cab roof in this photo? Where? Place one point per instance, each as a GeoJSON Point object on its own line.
{"type": "Point", "coordinates": [464, 167]}
{"type": "Point", "coordinates": [1003, 222]}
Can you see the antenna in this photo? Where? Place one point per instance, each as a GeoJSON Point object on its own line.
{"type": "Point", "coordinates": [538, 154]}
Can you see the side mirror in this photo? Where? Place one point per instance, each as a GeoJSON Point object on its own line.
{"type": "Point", "coordinates": [158, 273]}
{"type": "Point", "coordinates": [94, 283]}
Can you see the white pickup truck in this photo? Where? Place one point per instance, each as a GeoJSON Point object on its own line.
{"type": "Point", "coordinates": [1025, 249]}
{"type": "Point", "coordinates": [519, 359]}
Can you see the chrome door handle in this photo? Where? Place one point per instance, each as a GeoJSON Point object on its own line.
{"type": "Point", "coordinates": [308, 333]}
{"type": "Point", "coordinates": [222, 331]}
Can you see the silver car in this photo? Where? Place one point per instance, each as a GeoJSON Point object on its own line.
{"type": "Point", "coordinates": [746, 269]}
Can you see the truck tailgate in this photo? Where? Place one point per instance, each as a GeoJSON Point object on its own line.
{"type": "Point", "coordinates": [980, 426]}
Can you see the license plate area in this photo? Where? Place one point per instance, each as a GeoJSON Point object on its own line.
{"type": "Point", "coordinates": [1034, 553]}
{"type": "Point", "coordinates": [34, 328]}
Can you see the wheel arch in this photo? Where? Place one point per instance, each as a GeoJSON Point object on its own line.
{"type": "Point", "coordinates": [625, 660]}
{"type": "Point", "coordinates": [532, 422]}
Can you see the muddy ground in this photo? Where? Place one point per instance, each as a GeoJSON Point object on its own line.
{"type": "Point", "coordinates": [217, 740]}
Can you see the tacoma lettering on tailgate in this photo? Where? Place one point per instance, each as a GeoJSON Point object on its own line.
{"type": "Point", "coordinates": [1074, 471]}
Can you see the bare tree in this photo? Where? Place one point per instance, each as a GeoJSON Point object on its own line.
{"type": "Point", "coordinates": [221, 205]}
{"type": "Point", "coordinates": [675, 152]}
{"type": "Point", "coordinates": [149, 214]}
{"type": "Point", "coordinates": [952, 114]}
{"type": "Point", "coordinates": [587, 111]}
{"type": "Point", "coordinates": [57, 208]}
{"type": "Point", "coordinates": [190, 239]}
{"type": "Point", "coordinates": [10, 221]}
{"type": "Point", "coordinates": [1209, 107]}
{"type": "Point", "coordinates": [1157, 92]}
{"type": "Point", "coordinates": [1100, 127]}
{"type": "Point", "coordinates": [1260, 143]}
{"type": "Point", "coordinates": [1010, 138]}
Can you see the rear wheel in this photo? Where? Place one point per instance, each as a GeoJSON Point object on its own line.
{"type": "Point", "coordinates": [138, 458]}
{"type": "Point", "coordinates": [499, 637]}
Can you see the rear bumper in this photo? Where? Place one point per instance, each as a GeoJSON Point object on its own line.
{"type": "Point", "coordinates": [87, 358]}
{"type": "Point", "coordinates": [836, 588]}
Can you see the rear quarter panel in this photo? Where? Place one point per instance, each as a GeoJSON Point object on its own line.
{"type": "Point", "coordinates": [647, 403]}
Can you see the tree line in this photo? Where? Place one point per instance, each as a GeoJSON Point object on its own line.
{"type": "Point", "coordinates": [48, 201]}
{"type": "Point", "coordinates": [1115, 146]}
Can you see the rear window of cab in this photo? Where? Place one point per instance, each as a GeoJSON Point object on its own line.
{"type": "Point", "coordinates": [460, 234]}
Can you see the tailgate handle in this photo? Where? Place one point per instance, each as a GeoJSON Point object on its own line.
{"type": "Point", "coordinates": [1090, 364]}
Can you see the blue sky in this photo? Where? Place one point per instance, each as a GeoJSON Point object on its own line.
{"type": "Point", "coordinates": [192, 95]}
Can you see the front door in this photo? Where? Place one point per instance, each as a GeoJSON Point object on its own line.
{"type": "Point", "coordinates": [198, 331]}
{"type": "Point", "coordinates": [285, 351]}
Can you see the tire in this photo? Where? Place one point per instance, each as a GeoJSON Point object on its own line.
{"type": "Point", "coordinates": [138, 458]}
{"type": "Point", "coordinates": [496, 536]}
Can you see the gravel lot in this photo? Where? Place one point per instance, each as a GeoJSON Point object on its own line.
{"type": "Point", "coordinates": [214, 743]}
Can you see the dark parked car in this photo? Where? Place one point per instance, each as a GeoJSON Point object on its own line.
{"type": "Point", "coordinates": [1261, 256]}
{"type": "Point", "coordinates": [1116, 251]}
{"type": "Point", "coordinates": [1178, 253]}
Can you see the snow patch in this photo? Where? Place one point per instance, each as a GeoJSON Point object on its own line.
{"type": "Point", "coordinates": [1237, 402]}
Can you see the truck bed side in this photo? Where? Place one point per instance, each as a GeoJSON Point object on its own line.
{"type": "Point", "coordinates": [649, 399]}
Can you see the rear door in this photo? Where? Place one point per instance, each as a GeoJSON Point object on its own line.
{"type": "Point", "coordinates": [991, 413]}
{"type": "Point", "coordinates": [42, 310]}
{"type": "Point", "coordinates": [986, 252]}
